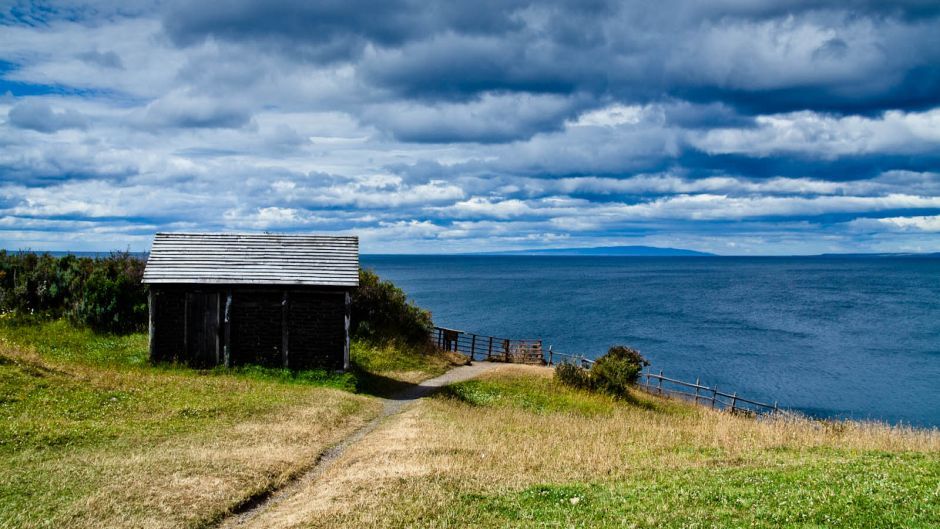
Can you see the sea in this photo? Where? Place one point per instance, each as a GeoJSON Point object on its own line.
{"type": "Point", "coordinates": [832, 337]}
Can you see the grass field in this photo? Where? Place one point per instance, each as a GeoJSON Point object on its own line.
{"type": "Point", "coordinates": [91, 435]}
{"type": "Point", "coordinates": [516, 450]}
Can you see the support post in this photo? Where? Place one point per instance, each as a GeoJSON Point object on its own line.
{"type": "Point", "coordinates": [473, 345]}
{"type": "Point", "coordinates": [348, 325]}
{"type": "Point", "coordinates": [227, 331]}
{"type": "Point", "coordinates": [714, 396]}
{"type": "Point", "coordinates": [660, 381]}
{"type": "Point", "coordinates": [550, 355]}
{"type": "Point", "coordinates": [696, 390]}
{"type": "Point", "coordinates": [734, 399]}
{"type": "Point", "coordinates": [489, 352]}
{"type": "Point", "coordinates": [285, 307]}
{"type": "Point", "coordinates": [151, 324]}
{"type": "Point", "coordinates": [187, 301]}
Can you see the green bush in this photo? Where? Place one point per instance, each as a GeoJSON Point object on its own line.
{"type": "Point", "coordinates": [382, 313]}
{"type": "Point", "coordinates": [612, 373]}
{"type": "Point", "coordinates": [574, 376]}
{"type": "Point", "coordinates": [103, 293]}
{"type": "Point", "coordinates": [617, 370]}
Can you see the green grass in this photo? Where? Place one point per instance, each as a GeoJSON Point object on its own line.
{"type": "Point", "coordinates": [60, 341]}
{"type": "Point", "coordinates": [384, 369]}
{"type": "Point", "coordinates": [545, 395]}
{"type": "Point", "coordinates": [517, 449]}
{"type": "Point", "coordinates": [528, 393]}
{"type": "Point", "coordinates": [866, 490]}
{"type": "Point", "coordinates": [78, 410]}
{"type": "Point", "coordinates": [392, 358]}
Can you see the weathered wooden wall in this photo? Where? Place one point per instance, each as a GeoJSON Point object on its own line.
{"type": "Point", "coordinates": [296, 327]}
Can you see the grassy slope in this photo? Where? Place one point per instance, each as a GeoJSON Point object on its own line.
{"type": "Point", "coordinates": [516, 450]}
{"type": "Point", "coordinates": [92, 435]}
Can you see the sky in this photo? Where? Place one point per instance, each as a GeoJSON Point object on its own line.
{"type": "Point", "coordinates": [736, 127]}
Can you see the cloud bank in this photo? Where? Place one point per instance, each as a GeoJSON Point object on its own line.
{"type": "Point", "coordinates": [731, 127]}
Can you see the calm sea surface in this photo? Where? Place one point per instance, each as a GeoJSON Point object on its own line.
{"type": "Point", "coordinates": [833, 337]}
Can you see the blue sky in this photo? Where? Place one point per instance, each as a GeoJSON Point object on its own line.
{"type": "Point", "coordinates": [735, 127]}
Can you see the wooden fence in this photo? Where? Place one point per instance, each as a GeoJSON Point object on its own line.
{"type": "Point", "coordinates": [481, 347]}
{"type": "Point", "coordinates": [658, 384]}
{"type": "Point", "coordinates": [477, 346]}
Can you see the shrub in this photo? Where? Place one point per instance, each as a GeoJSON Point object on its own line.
{"type": "Point", "coordinates": [382, 313]}
{"type": "Point", "coordinates": [574, 376]}
{"type": "Point", "coordinates": [113, 298]}
{"type": "Point", "coordinates": [103, 293]}
{"type": "Point", "coordinates": [612, 373]}
{"type": "Point", "coordinates": [617, 370]}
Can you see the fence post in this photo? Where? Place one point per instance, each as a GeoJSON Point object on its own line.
{"type": "Point", "coordinates": [506, 350]}
{"type": "Point", "coordinates": [775, 408]}
{"type": "Point", "coordinates": [550, 355]}
{"type": "Point", "coordinates": [489, 351]}
{"type": "Point", "coordinates": [734, 398]}
{"type": "Point", "coordinates": [714, 396]}
{"type": "Point", "coordinates": [473, 345]}
{"type": "Point", "coordinates": [660, 381]}
{"type": "Point", "coordinates": [696, 390]}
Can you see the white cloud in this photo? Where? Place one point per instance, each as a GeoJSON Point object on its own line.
{"type": "Point", "coordinates": [827, 136]}
{"type": "Point", "coordinates": [923, 223]}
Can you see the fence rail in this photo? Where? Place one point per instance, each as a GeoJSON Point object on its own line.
{"type": "Point", "coordinates": [555, 357]}
{"type": "Point", "coordinates": [658, 384]}
{"type": "Point", "coordinates": [477, 346]}
{"type": "Point", "coordinates": [483, 347]}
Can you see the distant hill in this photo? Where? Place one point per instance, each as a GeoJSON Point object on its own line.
{"type": "Point", "coordinates": [627, 251]}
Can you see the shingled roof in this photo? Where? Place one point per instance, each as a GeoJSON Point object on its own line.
{"type": "Point", "coordinates": [253, 259]}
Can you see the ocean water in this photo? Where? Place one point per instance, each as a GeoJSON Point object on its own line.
{"type": "Point", "coordinates": [851, 337]}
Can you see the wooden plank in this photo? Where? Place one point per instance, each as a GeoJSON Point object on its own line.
{"type": "Point", "coordinates": [227, 321]}
{"type": "Point", "coordinates": [151, 324]}
{"type": "Point", "coordinates": [253, 259]}
{"type": "Point", "coordinates": [285, 318]}
{"type": "Point", "coordinates": [348, 319]}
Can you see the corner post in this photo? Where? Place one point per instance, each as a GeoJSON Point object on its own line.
{"type": "Point", "coordinates": [227, 331]}
{"type": "Point", "coordinates": [348, 322]}
{"type": "Point", "coordinates": [151, 324]}
{"type": "Point", "coordinates": [285, 307]}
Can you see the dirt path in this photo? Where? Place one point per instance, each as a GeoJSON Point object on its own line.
{"type": "Point", "coordinates": [393, 405]}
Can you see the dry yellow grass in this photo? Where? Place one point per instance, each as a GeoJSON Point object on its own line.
{"type": "Point", "coordinates": [413, 470]}
{"type": "Point", "coordinates": [93, 446]}
{"type": "Point", "coordinates": [189, 480]}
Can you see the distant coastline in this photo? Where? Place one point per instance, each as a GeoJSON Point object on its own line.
{"type": "Point", "coordinates": [597, 251]}
{"type": "Point", "coordinates": [626, 251]}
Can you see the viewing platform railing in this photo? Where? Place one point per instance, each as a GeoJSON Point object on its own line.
{"type": "Point", "coordinates": [491, 348]}
{"type": "Point", "coordinates": [477, 346]}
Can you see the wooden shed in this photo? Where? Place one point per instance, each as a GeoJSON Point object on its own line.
{"type": "Point", "coordinates": [235, 299]}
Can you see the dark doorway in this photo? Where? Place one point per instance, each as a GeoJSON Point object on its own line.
{"type": "Point", "coordinates": [202, 328]}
